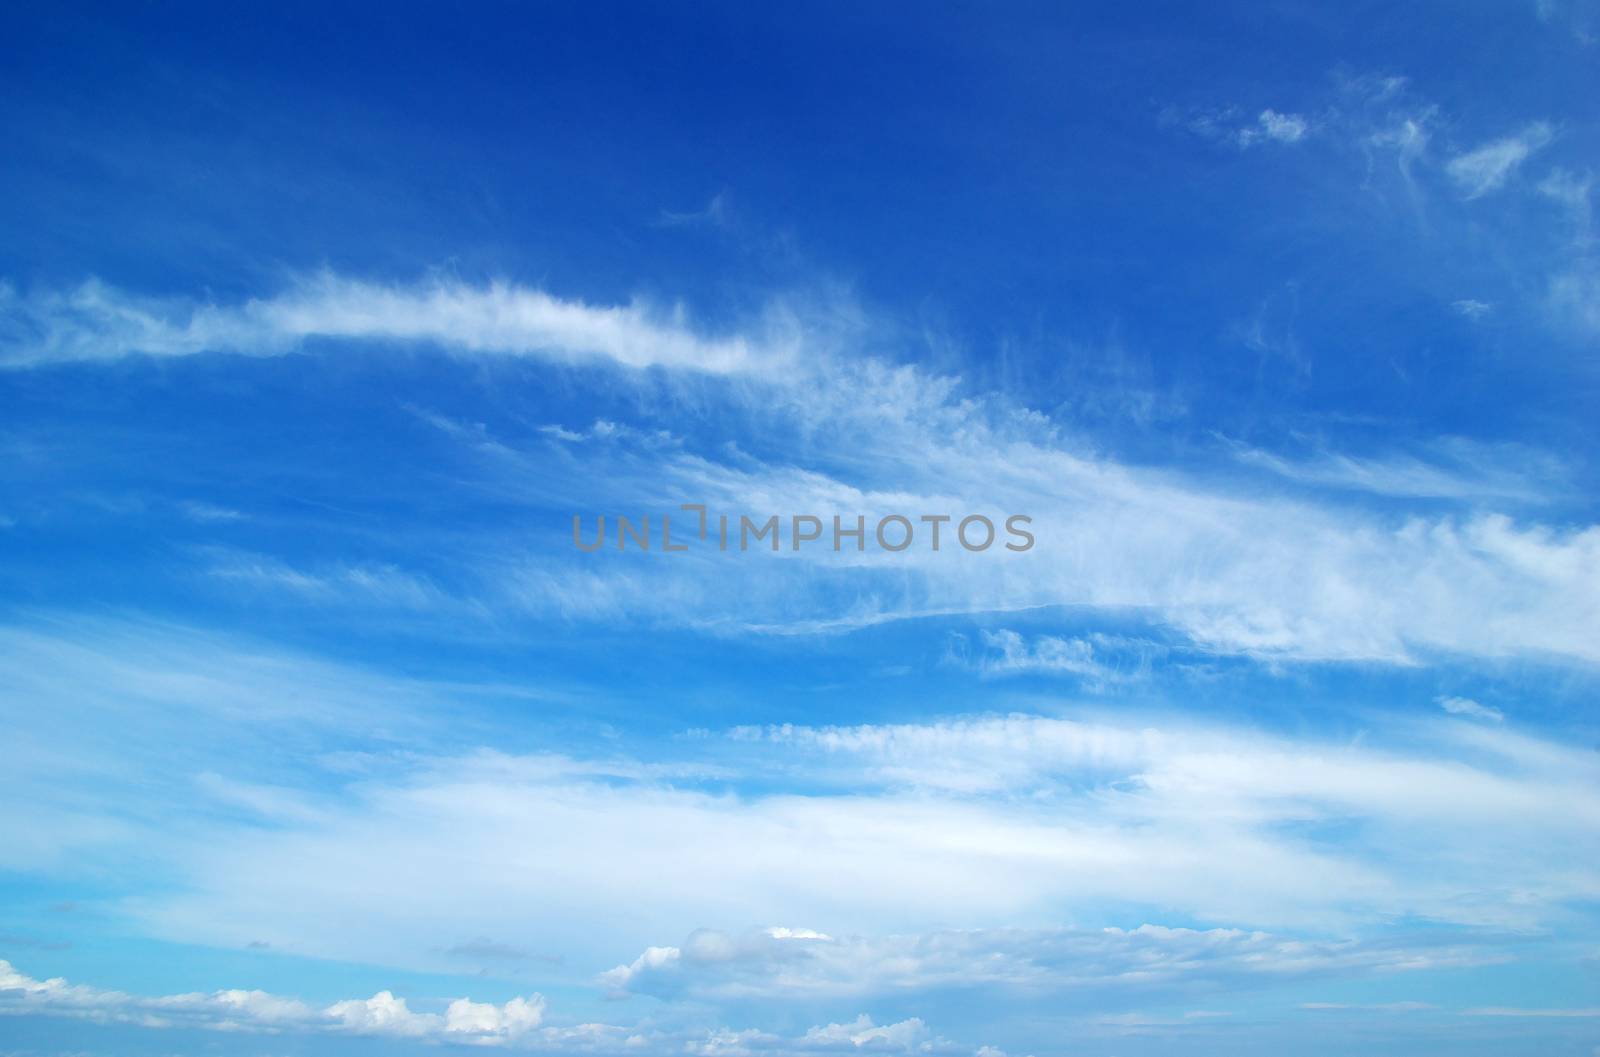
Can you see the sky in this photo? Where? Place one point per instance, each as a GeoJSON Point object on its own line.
{"type": "Point", "coordinates": [1262, 337]}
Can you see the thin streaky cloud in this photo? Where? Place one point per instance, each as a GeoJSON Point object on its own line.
{"type": "Point", "coordinates": [97, 322]}
{"type": "Point", "coordinates": [1487, 168]}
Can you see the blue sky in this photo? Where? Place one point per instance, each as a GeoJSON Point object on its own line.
{"type": "Point", "coordinates": [319, 326]}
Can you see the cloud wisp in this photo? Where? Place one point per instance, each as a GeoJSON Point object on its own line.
{"type": "Point", "coordinates": [1232, 566]}
{"type": "Point", "coordinates": [96, 322]}
{"type": "Point", "coordinates": [1487, 168]}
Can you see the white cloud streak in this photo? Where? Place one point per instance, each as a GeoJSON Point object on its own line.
{"type": "Point", "coordinates": [1465, 706]}
{"type": "Point", "coordinates": [1021, 963]}
{"type": "Point", "coordinates": [97, 322]}
{"type": "Point", "coordinates": [896, 858]}
{"type": "Point", "coordinates": [987, 821]}
{"type": "Point", "coordinates": [1236, 570]}
{"type": "Point", "coordinates": [1487, 168]}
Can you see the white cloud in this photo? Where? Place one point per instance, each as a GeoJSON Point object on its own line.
{"type": "Point", "coordinates": [1472, 308]}
{"type": "Point", "coordinates": [1234, 571]}
{"type": "Point", "coordinates": [1485, 169]}
{"type": "Point", "coordinates": [512, 1019]}
{"type": "Point", "coordinates": [1010, 653]}
{"type": "Point", "coordinates": [1574, 192]}
{"type": "Point", "coordinates": [382, 1014]}
{"type": "Point", "coordinates": [713, 214]}
{"type": "Point", "coordinates": [366, 584]}
{"type": "Point", "coordinates": [1574, 297]}
{"type": "Point", "coordinates": [208, 512]}
{"type": "Point", "coordinates": [982, 823]}
{"type": "Point", "coordinates": [1271, 125]}
{"type": "Point", "coordinates": [994, 819]}
{"type": "Point", "coordinates": [97, 322]}
{"type": "Point", "coordinates": [1090, 964]}
{"type": "Point", "coordinates": [862, 1033]}
{"type": "Point", "coordinates": [1222, 124]}
{"type": "Point", "coordinates": [1408, 136]}
{"type": "Point", "coordinates": [1465, 706]}
{"type": "Point", "coordinates": [234, 1010]}
{"type": "Point", "coordinates": [515, 1024]}
{"type": "Point", "coordinates": [1258, 575]}
{"type": "Point", "coordinates": [1445, 468]}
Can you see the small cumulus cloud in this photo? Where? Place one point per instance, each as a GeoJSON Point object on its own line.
{"type": "Point", "coordinates": [383, 1015]}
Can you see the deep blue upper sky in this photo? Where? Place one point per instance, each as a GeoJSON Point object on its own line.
{"type": "Point", "coordinates": [1010, 181]}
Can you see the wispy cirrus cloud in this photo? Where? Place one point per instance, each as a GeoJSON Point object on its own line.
{"type": "Point", "coordinates": [1445, 468]}
{"type": "Point", "coordinates": [98, 322]}
{"type": "Point", "coordinates": [1097, 660]}
{"type": "Point", "coordinates": [1006, 819]}
{"type": "Point", "coordinates": [1232, 568]}
{"type": "Point", "coordinates": [1275, 127]}
{"type": "Point", "coordinates": [1488, 167]}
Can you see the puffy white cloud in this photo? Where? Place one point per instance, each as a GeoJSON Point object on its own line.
{"type": "Point", "coordinates": [515, 1018]}
{"type": "Point", "coordinates": [382, 1014]}
{"type": "Point", "coordinates": [237, 1010]}
{"type": "Point", "coordinates": [652, 960]}
{"type": "Point", "coordinates": [517, 1024]}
